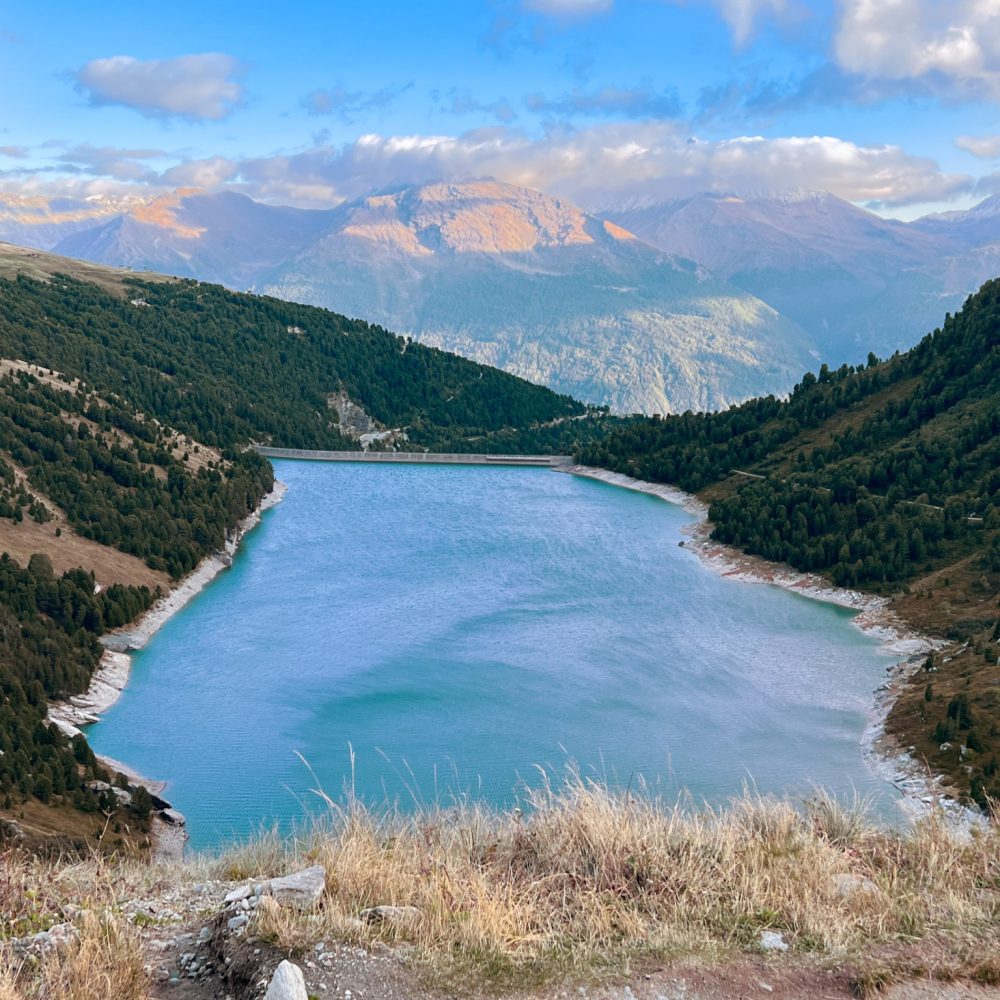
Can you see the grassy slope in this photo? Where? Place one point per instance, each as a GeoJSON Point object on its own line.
{"type": "Point", "coordinates": [587, 885]}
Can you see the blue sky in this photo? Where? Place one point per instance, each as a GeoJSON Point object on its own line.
{"type": "Point", "coordinates": [890, 103]}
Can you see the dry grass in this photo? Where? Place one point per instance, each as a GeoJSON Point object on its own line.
{"type": "Point", "coordinates": [584, 882]}
{"type": "Point", "coordinates": [105, 960]}
{"type": "Point", "coordinates": [8, 983]}
{"type": "Point", "coordinates": [105, 963]}
{"type": "Point", "coordinates": [589, 880]}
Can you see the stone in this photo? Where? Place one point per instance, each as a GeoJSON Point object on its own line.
{"type": "Point", "coordinates": [10, 830]}
{"type": "Point", "coordinates": [173, 817]}
{"type": "Point", "coordinates": [57, 937]}
{"type": "Point", "coordinates": [846, 884]}
{"type": "Point", "coordinates": [240, 920]}
{"type": "Point", "coordinates": [301, 890]}
{"type": "Point", "coordinates": [124, 797]}
{"type": "Point", "coordinates": [287, 983]}
{"type": "Point", "coordinates": [395, 916]}
{"type": "Point", "coordinates": [237, 894]}
{"type": "Point", "coordinates": [772, 941]}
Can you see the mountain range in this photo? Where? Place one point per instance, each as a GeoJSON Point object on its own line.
{"type": "Point", "coordinates": [852, 280]}
{"type": "Point", "coordinates": [504, 275]}
{"type": "Point", "coordinates": [653, 307]}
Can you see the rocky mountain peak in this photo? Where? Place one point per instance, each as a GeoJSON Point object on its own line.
{"type": "Point", "coordinates": [483, 217]}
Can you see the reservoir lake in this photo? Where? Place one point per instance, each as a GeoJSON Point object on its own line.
{"type": "Point", "coordinates": [459, 629]}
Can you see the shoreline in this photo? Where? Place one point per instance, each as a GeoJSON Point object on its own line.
{"type": "Point", "coordinates": [115, 667]}
{"type": "Point", "coordinates": [921, 792]}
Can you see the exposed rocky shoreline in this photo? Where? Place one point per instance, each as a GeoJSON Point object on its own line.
{"type": "Point", "coordinates": [922, 792]}
{"type": "Point", "coordinates": [112, 675]}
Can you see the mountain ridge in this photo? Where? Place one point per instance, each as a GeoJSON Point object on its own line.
{"type": "Point", "coordinates": [853, 280]}
{"type": "Point", "coordinates": [505, 275]}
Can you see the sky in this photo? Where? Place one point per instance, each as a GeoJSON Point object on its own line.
{"type": "Point", "coordinates": [892, 104]}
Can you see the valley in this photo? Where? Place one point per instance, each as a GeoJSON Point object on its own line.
{"type": "Point", "coordinates": [500, 500]}
{"type": "Point", "coordinates": [851, 452]}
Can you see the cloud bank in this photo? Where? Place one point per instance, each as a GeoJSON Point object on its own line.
{"type": "Point", "coordinates": [596, 167]}
{"type": "Point", "coordinates": [600, 165]}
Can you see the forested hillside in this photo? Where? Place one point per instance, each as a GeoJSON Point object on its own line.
{"type": "Point", "coordinates": [872, 475]}
{"type": "Point", "coordinates": [233, 368]}
{"type": "Point", "coordinates": [81, 472]}
{"type": "Point", "coordinates": [126, 409]}
{"type": "Point", "coordinates": [885, 477]}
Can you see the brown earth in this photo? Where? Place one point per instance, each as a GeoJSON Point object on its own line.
{"type": "Point", "coordinates": [15, 260]}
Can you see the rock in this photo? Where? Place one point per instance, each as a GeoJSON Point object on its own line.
{"type": "Point", "coordinates": [772, 941]}
{"type": "Point", "coordinates": [124, 797]}
{"type": "Point", "coordinates": [66, 728]}
{"type": "Point", "coordinates": [56, 938]}
{"type": "Point", "coordinates": [846, 884]}
{"type": "Point", "coordinates": [395, 916]}
{"type": "Point", "coordinates": [10, 830]}
{"type": "Point", "coordinates": [240, 920]}
{"type": "Point", "coordinates": [98, 786]}
{"type": "Point", "coordinates": [173, 817]}
{"type": "Point", "coordinates": [288, 983]}
{"type": "Point", "coordinates": [237, 894]}
{"type": "Point", "coordinates": [300, 890]}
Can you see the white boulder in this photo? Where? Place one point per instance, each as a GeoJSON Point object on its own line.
{"type": "Point", "coordinates": [300, 890]}
{"type": "Point", "coordinates": [287, 983]}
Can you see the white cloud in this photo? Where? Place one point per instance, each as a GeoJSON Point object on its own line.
{"type": "Point", "coordinates": [347, 104]}
{"type": "Point", "coordinates": [985, 146]}
{"type": "Point", "coordinates": [742, 15]}
{"type": "Point", "coordinates": [196, 87]}
{"type": "Point", "coordinates": [461, 102]}
{"type": "Point", "coordinates": [569, 8]}
{"type": "Point", "coordinates": [211, 173]}
{"type": "Point", "coordinates": [606, 163]}
{"type": "Point", "coordinates": [955, 42]}
{"type": "Point", "coordinates": [110, 161]}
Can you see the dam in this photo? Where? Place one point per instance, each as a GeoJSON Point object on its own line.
{"type": "Point", "coordinates": [416, 457]}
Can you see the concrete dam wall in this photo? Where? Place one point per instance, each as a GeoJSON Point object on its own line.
{"type": "Point", "coordinates": [416, 457]}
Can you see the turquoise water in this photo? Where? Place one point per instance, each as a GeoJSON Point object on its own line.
{"type": "Point", "coordinates": [459, 627]}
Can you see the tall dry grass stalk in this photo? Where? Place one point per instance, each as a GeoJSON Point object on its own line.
{"type": "Point", "coordinates": [104, 963]}
{"type": "Point", "coordinates": [8, 983]}
{"type": "Point", "coordinates": [587, 878]}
